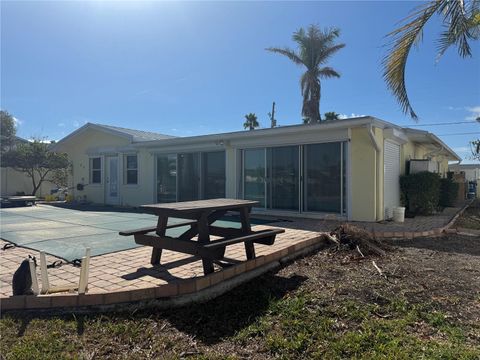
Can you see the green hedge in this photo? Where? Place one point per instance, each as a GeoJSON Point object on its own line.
{"type": "Point", "coordinates": [448, 192]}
{"type": "Point", "coordinates": [420, 192]}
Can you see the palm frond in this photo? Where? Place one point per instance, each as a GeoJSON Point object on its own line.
{"type": "Point", "coordinates": [395, 62]}
{"type": "Point", "coordinates": [328, 72]}
{"type": "Point", "coordinates": [325, 55]}
{"type": "Point", "coordinates": [461, 26]}
{"type": "Point", "coordinates": [291, 54]}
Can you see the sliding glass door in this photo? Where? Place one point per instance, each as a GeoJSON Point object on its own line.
{"type": "Point", "coordinates": [167, 178]}
{"type": "Point", "coordinates": [301, 178]}
{"type": "Point", "coordinates": [190, 176]}
{"type": "Point", "coordinates": [213, 175]}
{"type": "Point", "coordinates": [323, 177]}
{"type": "Point", "coordinates": [283, 178]}
{"type": "Point", "coordinates": [254, 176]}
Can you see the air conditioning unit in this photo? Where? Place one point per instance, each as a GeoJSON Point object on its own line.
{"type": "Point", "coordinates": [419, 165]}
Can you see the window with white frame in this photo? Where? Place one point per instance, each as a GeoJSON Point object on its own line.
{"type": "Point", "coordinates": [96, 170]}
{"type": "Point", "coordinates": [131, 169]}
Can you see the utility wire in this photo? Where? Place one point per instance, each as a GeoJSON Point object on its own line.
{"type": "Point", "coordinates": [439, 124]}
{"type": "Point", "coordinates": [467, 133]}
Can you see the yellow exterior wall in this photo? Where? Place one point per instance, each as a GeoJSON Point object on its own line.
{"type": "Point", "coordinates": [412, 151]}
{"type": "Point", "coordinates": [363, 171]}
{"type": "Point", "coordinates": [90, 141]}
{"type": "Point", "coordinates": [13, 182]}
{"type": "Point", "coordinates": [144, 192]}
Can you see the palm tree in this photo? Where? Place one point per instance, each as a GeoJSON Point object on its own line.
{"type": "Point", "coordinates": [331, 115]}
{"type": "Point", "coordinates": [315, 47]}
{"type": "Point", "coordinates": [250, 122]}
{"type": "Point", "coordinates": [461, 19]}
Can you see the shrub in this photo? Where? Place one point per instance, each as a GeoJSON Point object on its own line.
{"type": "Point", "coordinates": [448, 192]}
{"type": "Point", "coordinates": [420, 192]}
{"type": "Point", "coordinates": [49, 198]}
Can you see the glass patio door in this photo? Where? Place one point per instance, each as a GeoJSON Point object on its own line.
{"type": "Point", "coordinates": [283, 178]}
{"type": "Point", "coordinates": [166, 178]}
{"type": "Point", "coordinates": [254, 176]}
{"type": "Point", "coordinates": [324, 177]}
{"type": "Point", "coordinates": [213, 174]}
{"type": "Point", "coordinates": [188, 177]}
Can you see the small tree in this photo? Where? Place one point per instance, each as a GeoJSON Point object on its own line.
{"type": "Point", "coordinates": [7, 130]}
{"type": "Point", "coordinates": [35, 160]}
{"type": "Point", "coordinates": [331, 115]}
{"type": "Point", "coordinates": [251, 121]}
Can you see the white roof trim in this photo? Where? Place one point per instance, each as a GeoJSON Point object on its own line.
{"type": "Point", "coordinates": [92, 126]}
{"type": "Point", "coordinates": [435, 139]}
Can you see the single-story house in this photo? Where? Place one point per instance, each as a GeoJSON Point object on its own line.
{"type": "Point", "coordinates": [472, 171]}
{"type": "Point", "coordinates": [345, 168]}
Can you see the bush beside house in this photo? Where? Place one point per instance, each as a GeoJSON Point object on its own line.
{"type": "Point", "coordinates": [420, 192]}
{"type": "Point", "coordinates": [448, 192]}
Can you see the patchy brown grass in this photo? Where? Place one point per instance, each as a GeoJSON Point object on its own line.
{"type": "Point", "coordinates": [470, 218]}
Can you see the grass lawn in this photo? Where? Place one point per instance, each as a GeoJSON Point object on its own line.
{"type": "Point", "coordinates": [324, 306]}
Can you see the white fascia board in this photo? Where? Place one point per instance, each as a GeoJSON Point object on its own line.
{"type": "Point", "coordinates": [86, 127]}
{"type": "Point", "coordinates": [434, 139]}
{"type": "Point", "coordinates": [263, 134]}
{"type": "Point", "coordinates": [396, 135]}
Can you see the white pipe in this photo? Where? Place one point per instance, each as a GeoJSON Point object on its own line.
{"type": "Point", "coordinates": [378, 167]}
{"type": "Point", "coordinates": [44, 273]}
{"type": "Point", "coordinates": [372, 137]}
{"type": "Point", "coordinates": [33, 274]}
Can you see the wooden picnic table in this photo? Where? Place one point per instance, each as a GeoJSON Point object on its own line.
{"type": "Point", "coordinates": [200, 216]}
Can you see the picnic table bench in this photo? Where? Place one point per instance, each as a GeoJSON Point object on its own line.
{"type": "Point", "coordinates": [199, 216]}
{"type": "Point", "coordinates": [19, 200]}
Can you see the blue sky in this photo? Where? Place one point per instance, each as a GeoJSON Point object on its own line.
{"type": "Point", "coordinates": [185, 68]}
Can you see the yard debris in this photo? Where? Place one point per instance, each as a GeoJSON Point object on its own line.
{"type": "Point", "coordinates": [382, 274]}
{"type": "Point", "coordinates": [350, 237]}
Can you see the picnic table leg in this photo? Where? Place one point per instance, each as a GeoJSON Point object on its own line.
{"type": "Point", "coordinates": [246, 228]}
{"type": "Point", "coordinates": [203, 238]}
{"type": "Point", "coordinates": [161, 229]}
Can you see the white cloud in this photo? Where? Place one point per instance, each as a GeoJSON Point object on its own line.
{"type": "Point", "coordinates": [17, 121]}
{"type": "Point", "coordinates": [61, 124]}
{"type": "Point", "coordinates": [474, 112]}
{"type": "Point", "coordinates": [352, 115]}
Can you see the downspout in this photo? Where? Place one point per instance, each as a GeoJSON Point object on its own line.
{"type": "Point", "coordinates": [378, 167]}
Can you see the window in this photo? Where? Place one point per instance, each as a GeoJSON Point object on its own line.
{"type": "Point", "coordinates": [96, 170]}
{"type": "Point", "coordinates": [131, 169]}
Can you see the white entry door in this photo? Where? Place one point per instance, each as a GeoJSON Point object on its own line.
{"type": "Point", "coordinates": [391, 177]}
{"type": "Point", "coordinates": [111, 183]}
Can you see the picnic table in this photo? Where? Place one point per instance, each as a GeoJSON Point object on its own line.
{"type": "Point", "coordinates": [18, 200]}
{"type": "Point", "coordinates": [200, 217]}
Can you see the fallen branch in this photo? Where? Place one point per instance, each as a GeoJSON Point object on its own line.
{"type": "Point", "coordinates": [382, 274]}
{"type": "Point", "coordinates": [360, 252]}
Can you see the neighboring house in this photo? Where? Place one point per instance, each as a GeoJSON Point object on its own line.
{"type": "Point", "coordinates": [472, 171]}
{"type": "Point", "coordinates": [349, 167]}
{"type": "Point", "coordinates": [13, 182]}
